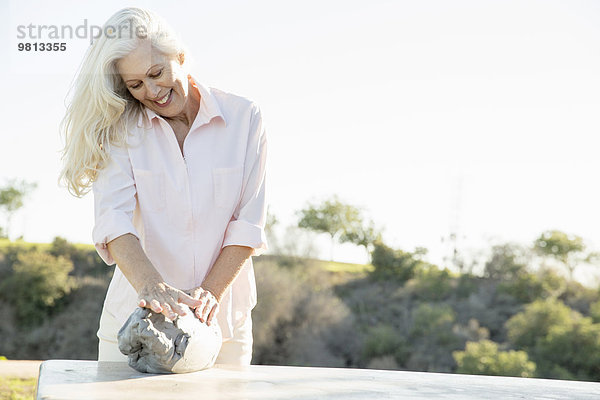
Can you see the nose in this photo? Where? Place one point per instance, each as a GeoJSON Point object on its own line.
{"type": "Point", "coordinates": [152, 90]}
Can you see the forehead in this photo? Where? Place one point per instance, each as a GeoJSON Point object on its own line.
{"type": "Point", "coordinates": [140, 60]}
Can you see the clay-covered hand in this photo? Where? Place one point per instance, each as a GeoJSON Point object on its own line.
{"type": "Point", "coordinates": [209, 307]}
{"type": "Point", "coordinates": [163, 298]}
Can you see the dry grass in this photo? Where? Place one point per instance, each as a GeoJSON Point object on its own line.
{"type": "Point", "coordinates": [17, 388]}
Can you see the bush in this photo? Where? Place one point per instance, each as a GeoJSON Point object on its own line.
{"type": "Point", "coordinates": [432, 338]}
{"type": "Point", "coordinates": [526, 328]}
{"type": "Point", "coordinates": [526, 288]}
{"type": "Point", "coordinates": [562, 342]}
{"type": "Point", "coordinates": [70, 333]}
{"type": "Point", "coordinates": [38, 281]}
{"type": "Point", "coordinates": [466, 285]}
{"type": "Point", "coordinates": [529, 287]}
{"type": "Point", "coordinates": [506, 263]}
{"type": "Point", "coordinates": [297, 324]}
{"type": "Point", "coordinates": [433, 320]}
{"type": "Point", "coordinates": [483, 358]}
{"type": "Point", "coordinates": [384, 340]}
{"type": "Point", "coordinates": [595, 311]}
{"type": "Point", "coordinates": [393, 264]}
{"type": "Point", "coordinates": [85, 259]}
{"type": "Point", "coordinates": [432, 283]}
{"type": "Point", "coordinates": [575, 347]}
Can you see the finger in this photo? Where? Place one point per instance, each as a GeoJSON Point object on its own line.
{"type": "Point", "coordinates": [206, 309]}
{"type": "Point", "coordinates": [142, 303]}
{"type": "Point", "coordinates": [198, 313]}
{"type": "Point", "coordinates": [190, 301]}
{"type": "Point", "coordinates": [155, 306]}
{"type": "Point", "coordinates": [168, 312]}
{"type": "Point", "coordinates": [179, 309]}
{"type": "Point", "coordinates": [212, 314]}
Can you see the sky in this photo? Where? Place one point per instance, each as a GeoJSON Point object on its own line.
{"type": "Point", "coordinates": [473, 117]}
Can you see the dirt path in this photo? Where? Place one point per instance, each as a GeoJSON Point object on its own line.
{"type": "Point", "coordinates": [20, 369]}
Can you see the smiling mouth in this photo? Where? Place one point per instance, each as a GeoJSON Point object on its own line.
{"type": "Point", "coordinates": [164, 99]}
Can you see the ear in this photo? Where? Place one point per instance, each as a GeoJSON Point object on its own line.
{"type": "Point", "coordinates": [181, 58]}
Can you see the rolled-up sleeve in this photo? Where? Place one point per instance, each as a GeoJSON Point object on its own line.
{"type": "Point", "coordinates": [114, 202]}
{"type": "Point", "coordinates": [247, 226]}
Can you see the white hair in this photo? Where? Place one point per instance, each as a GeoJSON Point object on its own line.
{"type": "Point", "coordinates": [101, 106]}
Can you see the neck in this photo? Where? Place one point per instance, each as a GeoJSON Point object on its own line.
{"type": "Point", "coordinates": [191, 108]}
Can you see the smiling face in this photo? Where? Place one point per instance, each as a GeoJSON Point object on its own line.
{"type": "Point", "coordinates": [156, 80]}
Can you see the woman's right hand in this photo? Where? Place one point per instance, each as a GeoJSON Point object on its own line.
{"type": "Point", "coordinates": [165, 299]}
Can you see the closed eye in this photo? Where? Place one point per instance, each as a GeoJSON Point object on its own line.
{"type": "Point", "coordinates": [138, 85]}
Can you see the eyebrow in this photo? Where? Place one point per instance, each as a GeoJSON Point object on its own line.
{"type": "Point", "coordinates": [130, 80]}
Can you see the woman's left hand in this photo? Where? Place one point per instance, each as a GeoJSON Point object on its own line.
{"type": "Point", "coordinates": [209, 307]}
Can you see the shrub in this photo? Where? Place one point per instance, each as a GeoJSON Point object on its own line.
{"type": "Point", "coordinates": [595, 311]}
{"type": "Point", "coordinates": [432, 338]}
{"type": "Point", "coordinates": [297, 324]}
{"type": "Point", "coordinates": [506, 263]}
{"type": "Point", "coordinates": [526, 328]}
{"type": "Point", "coordinates": [574, 347]}
{"type": "Point", "coordinates": [85, 259]}
{"type": "Point", "coordinates": [466, 285]}
{"type": "Point", "coordinates": [562, 342]}
{"type": "Point", "coordinates": [393, 264]}
{"type": "Point", "coordinates": [483, 358]}
{"type": "Point", "coordinates": [526, 288]}
{"type": "Point", "coordinates": [432, 283]}
{"type": "Point", "coordinates": [384, 340]}
{"type": "Point", "coordinates": [70, 333]}
{"type": "Point", "coordinates": [429, 319]}
{"type": "Point", "coordinates": [39, 280]}
{"type": "Point", "coordinates": [434, 322]}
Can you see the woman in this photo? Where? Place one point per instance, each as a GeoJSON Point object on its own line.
{"type": "Point", "coordinates": [178, 175]}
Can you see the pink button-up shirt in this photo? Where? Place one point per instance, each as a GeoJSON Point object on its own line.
{"type": "Point", "coordinates": [185, 208]}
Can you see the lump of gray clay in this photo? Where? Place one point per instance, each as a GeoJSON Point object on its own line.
{"type": "Point", "coordinates": [155, 344]}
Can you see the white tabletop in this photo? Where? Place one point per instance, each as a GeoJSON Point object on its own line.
{"type": "Point", "coordinates": [72, 379]}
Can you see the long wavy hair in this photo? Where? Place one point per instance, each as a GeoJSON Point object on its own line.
{"type": "Point", "coordinates": [101, 107]}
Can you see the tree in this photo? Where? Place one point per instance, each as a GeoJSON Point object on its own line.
{"type": "Point", "coordinates": [271, 221]}
{"type": "Point", "coordinates": [432, 338]}
{"type": "Point", "coordinates": [528, 327]}
{"type": "Point", "coordinates": [505, 263]}
{"type": "Point", "coordinates": [361, 234]}
{"type": "Point", "coordinates": [393, 264]}
{"type": "Point", "coordinates": [38, 281]}
{"type": "Point", "coordinates": [270, 224]}
{"type": "Point", "coordinates": [12, 196]}
{"type": "Point", "coordinates": [332, 217]}
{"type": "Point", "coordinates": [434, 320]}
{"type": "Point", "coordinates": [483, 358]}
{"type": "Point", "coordinates": [383, 340]}
{"type": "Point", "coordinates": [568, 250]}
{"type": "Point", "coordinates": [563, 343]}
{"type": "Point", "coordinates": [574, 347]}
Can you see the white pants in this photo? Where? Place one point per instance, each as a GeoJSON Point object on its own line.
{"type": "Point", "coordinates": [234, 351]}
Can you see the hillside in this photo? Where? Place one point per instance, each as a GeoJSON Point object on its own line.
{"type": "Point", "coordinates": [399, 313]}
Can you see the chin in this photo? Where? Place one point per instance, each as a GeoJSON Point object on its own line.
{"type": "Point", "coordinates": [169, 111]}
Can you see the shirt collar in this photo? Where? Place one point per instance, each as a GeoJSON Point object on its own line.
{"type": "Point", "coordinates": [209, 108]}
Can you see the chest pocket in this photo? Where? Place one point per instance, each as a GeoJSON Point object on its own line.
{"type": "Point", "coordinates": [150, 187]}
{"type": "Point", "coordinates": [227, 186]}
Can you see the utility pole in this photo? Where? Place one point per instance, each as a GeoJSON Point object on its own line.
{"type": "Point", "coordinates": [454, 235]}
